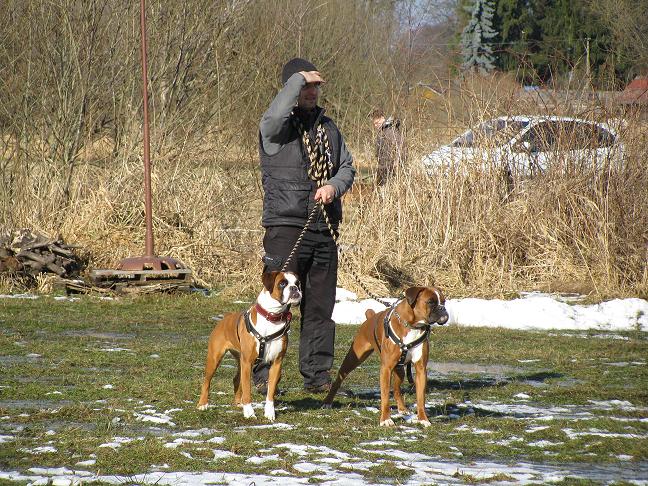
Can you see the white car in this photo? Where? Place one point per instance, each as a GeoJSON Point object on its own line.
{"type": "Point", "coordinates": [527, 145]}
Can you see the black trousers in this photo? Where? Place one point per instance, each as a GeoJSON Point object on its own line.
{"type": "Point", "coordinates": [316, 264]}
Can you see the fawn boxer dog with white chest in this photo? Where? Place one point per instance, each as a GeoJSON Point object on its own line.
{"type": "Point", "coordinates": [259, 334]}
{"type": "Point", "coordinates": [400, 335]}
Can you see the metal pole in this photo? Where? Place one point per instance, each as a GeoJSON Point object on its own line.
{"type": "Point", "coordinates": [147, 162]}
{"type": "Point", "coordinates": [589, 76]}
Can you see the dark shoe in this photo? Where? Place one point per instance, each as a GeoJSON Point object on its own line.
{"type": "Point", "coordinates": [323, 388]}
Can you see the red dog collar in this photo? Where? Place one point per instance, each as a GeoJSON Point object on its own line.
{"type": "Point", "coordinates": [272, 317]}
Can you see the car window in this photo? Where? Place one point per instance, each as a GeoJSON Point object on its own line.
{"type": "Point", "coordinates": [491, 133]}
{"type": "Point", "coordinates": [605, 138]}
{"type": "Point", "coordinates": [582, 136]}
{"type": "Point", "coordinates": [543, 137]}
{"type": "Point", "coordinates": [565, 135]}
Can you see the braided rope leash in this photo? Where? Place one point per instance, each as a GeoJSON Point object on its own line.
{"type": "Point", "coordinates": [300, 238]}
{"type": "Point", "coordinates": [319, 171]}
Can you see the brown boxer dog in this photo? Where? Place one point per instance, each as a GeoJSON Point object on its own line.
{"type": "Point", "coordinates": [400, 335]}
{"type": "Point", "coordinates": [259, 334]}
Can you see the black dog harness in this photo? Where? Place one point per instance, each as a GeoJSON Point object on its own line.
{"type": "Point", "coordinates": [389, 332]}
{"type": "Point", "coordinates": [263, 340]}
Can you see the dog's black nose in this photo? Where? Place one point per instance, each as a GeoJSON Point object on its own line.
{"type": "Point", "coordinates": [442, 319]}
{"type": "Point", "coordinates": [294, 291]}
{"type": "Point", "coordinates": [440, 316]}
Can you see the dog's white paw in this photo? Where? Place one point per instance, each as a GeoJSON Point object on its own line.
{"type": "Point", "coordinates": [203, 407]}
{"type": "Point", "coordinates": [269, 411]}
{"type": "Point", "coordinates": [424, 423]}
{"type": "Point", "coordinates": [248, 411]}
{"type": "Point", "coordinates": [387, 423]}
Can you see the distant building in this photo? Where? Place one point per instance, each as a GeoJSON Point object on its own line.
{"type": "Point", "coordinates": [427, 91]}
{"type": "Point", "coordinates": [635, 95]}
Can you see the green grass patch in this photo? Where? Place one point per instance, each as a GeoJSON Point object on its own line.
{"type": "Point", "coordinates": [116, 382]}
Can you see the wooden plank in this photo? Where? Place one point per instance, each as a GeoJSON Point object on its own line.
{"type": "Point", "coordinates": [116, 273]}
{"type": "Point", "coordinates": [141, 277]}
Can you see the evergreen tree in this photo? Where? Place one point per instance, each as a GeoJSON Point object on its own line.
{"type": "Point", "coordinates": [477, 36]}
{"type": "Point", "coordinates": [542, 40]}
{"type": "Point", "coordinates": [566, 26]}
{"type": "Point", "coordinates": [517, 36]}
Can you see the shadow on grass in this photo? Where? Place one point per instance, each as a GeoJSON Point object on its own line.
{"type": "Point", "coordinates": [370, 397]}
{"type": "Point", "coordinates": [315, 402]}
{"type": "Point", "coordinates": [448, 410]}
{"type": "Point", "coordinates": [476, 383]}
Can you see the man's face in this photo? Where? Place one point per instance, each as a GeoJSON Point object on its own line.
{"type": "Point", "coordinates": [308, 96]}
{"type": "Point", "coordinates": [378, 122]}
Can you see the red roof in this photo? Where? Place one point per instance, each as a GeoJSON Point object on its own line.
{"type": "Point", "coordinates": [635, 92]}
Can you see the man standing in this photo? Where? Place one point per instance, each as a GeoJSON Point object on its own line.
{"type": "Point", "coordinates": [390, 145]}
{"type": "Point", "coordinates": [295, 139]}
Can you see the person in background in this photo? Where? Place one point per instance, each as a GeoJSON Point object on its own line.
{"type": "Point", "coordinates": [294, 136]}
{"type": "Point", "coordinates": [390, 145]}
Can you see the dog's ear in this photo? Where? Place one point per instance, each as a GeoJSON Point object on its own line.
{"type": "Point", "coordinates": [412, 293]}
{"type": "Point", "coordinates": [268, 280]}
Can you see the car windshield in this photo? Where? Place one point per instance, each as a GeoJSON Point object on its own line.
{"type": "Point", "coordinates": [491, 133]}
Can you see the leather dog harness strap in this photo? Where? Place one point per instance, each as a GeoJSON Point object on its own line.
{"type": "Point", "coordinates": [263, 340]}
{"type": "Point", "coordinates": [389, 332]}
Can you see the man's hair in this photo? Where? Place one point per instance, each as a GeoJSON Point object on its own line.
{"type": "Point", "coordinates": [376, 113]}
{"type": "Point", "coordinates": [294, 66]}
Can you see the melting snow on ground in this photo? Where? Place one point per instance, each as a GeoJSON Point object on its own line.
{"type": "Point", "coordinates": [533, 311]}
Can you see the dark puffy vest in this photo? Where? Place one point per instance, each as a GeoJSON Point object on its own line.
{"type": "Point", "coordinates": [288, 192]}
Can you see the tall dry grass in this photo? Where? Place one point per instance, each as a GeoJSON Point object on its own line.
{"type": "Point", "coordinates": [469, 231]}
{"type": "Point", "coordinates": [70, 150]}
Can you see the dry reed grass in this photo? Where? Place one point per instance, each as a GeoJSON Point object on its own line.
{"type": "Point", "coordinates": [463, 230]}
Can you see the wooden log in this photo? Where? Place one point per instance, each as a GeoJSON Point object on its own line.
{"type": "Point", "coordinates": [61, 251]}
{"type": "Point", "coordinates": [35, 253]}
{"type": "Point", "coordinates": [60, 271]}
{"type": "Point", "coordinates": [33, 265]}
{"type": "Point", "coordinates": [42, 259]}
{"type": "Point", "coordinates": [37, 245]}
{"type": "Point", "coordinates": [10, 264]}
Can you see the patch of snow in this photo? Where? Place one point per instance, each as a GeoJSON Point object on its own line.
{"type": "Point", "coordinates": [40, 450]}
{"type": "Point", "coordinates": [154, 417]}
{"type": "Point", "coordinates": [601, 433]}
{"type": "Point", "coordinates": [261, 460]}
{"type": "Point", "coordinates": [536, 311]}
{"type": "Point", "coordinates": [544, 443]}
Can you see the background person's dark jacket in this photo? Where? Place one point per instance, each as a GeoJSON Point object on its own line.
{"type": "Point", "coordinates": [390, 149]}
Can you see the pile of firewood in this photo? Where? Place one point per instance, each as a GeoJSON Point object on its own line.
{"type": "Point", "coordinates": [28, 253]}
